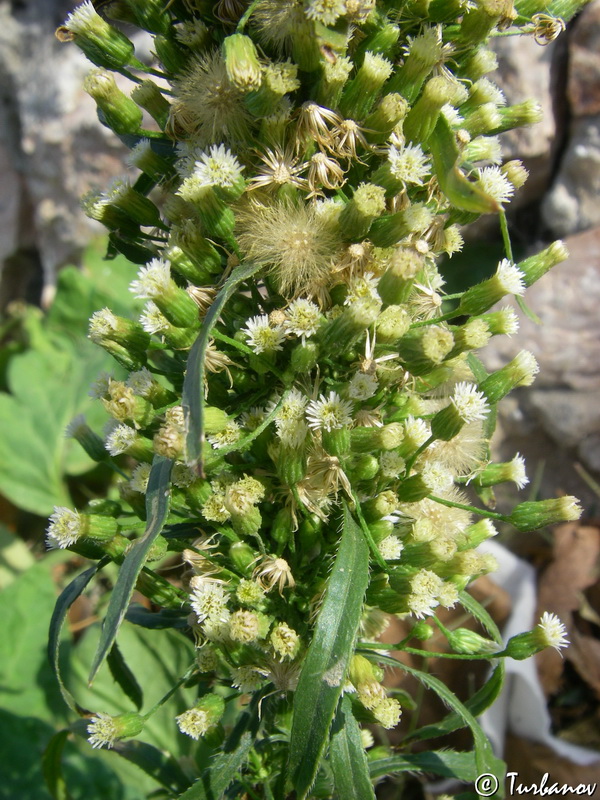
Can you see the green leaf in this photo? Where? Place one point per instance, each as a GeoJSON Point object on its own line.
{"type": "Point", "coordinates": [67, 597]}
{"type": "Point", "coordinates": [481, 615]}
{"type": "Point", "coordinates": [52, 766]}
{"type": "Point", "coordinates": [47, 390]}
{"type": "Point", "coordinates": [124, 676]}
{"type": "Point", "coordinates": [157, 508]}
{"type": "Point", "coordinates": [193, 385]}
{"type": "Point", "coordinates": [224, 767]}
{"type": "Point", "coordinates": [447, 763]}
{"type": "Point", "coordinates": [477, 704]}
{"type": "Point", "coordinates": [347, 756]}
{"type": "Point", "coordinates": [15, 557]}
{"type": "Point", "coordinates": [325, 665]}
{"type": "Point", "coordinates": [485, 760]}
{"type": "Point", "coordinates": [163, 768]}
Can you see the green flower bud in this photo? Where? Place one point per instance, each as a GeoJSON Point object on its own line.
{"type": "Point", "coordinates": [482, 120]}
{"type": "Point", "coordinates": [423, 116]}
{"type": "Point", "coordinates": [393, 322]}
{"type": "Point", "coordinates": [549, 632]}
{"type": "Point", "coordinates": [425, 52]}
{"type": "Point", "coordinates": [364, 468]}
{"type": "Point", "coordinates": [508, 279]}
{"type": "Point", "coordinates": [367, 203]}
{"type": "Point", "coordinates": [424, 348]}
{"type": "Point", "coordinates": [241, 62]}
{"type": "Point", "coordinates": [516, 173]}
{"type": "Point", "coordinates": [478, 63]}
{"type": "Point", "coordinates": [387, 114]}
{"type": "Point", "coordinates": [92, 444]}
{"type": "Point", "coordinates": [67, 527]}
{"type": "Point", "coordinates": [104, 45]}
{"type": "Point", "coordinates": [121, 114]}
{"type": "Point", "coordinates": [535, 266]}
{"type": "Point", "coordinates": [422, 631]}
{"type": "Point", "coordinates": [389, 229]}
{"type": "Point", "coordinates": [381, 506]}
{"type": "Point", "coordinates": [362, 91]}
{"type": "Point", "coordinates": [154, 283]}
{"type": "Point", "coordinates": [144, 158]}
{"type": "Point", "coordinates": [504, 321]}
{"type": "Point", "coordinates": [200, 720]}
{"type": "Point", "coordinates": [537, 514]}
{"type": "Point", "coordinates": [277, 80]}
{"type": "Point", "coordinates": [151, 15]}
{"type": "Point", "coordinates": [478, 22]}
{"type": "Point", "coordinates": [242, 556]}
{"type": "Point", "coordinates": [462, 640]}
{"type": "Point", "coordinates": [104, 325]}
{"type": "Point", "coordinates": [521, 371]}
{"type": "Point", "coordinates": [397, 282]}
{"type": "Point", "coordinates": [332, 80]}
{"type": "Point", "coordinates": [171, 55]}
{"type": "Point", "coordinates": [471, 336]}
{"type": "Point", "coordinates": [148, 96]}
{"type": "Point", "coordinates": [494, 474]}
{"type": "Point", "coordinates": [353, 321]}
{"type": "Point", "coordinates": [304, 357]}
{"type": "Point", "coordinates": [476, 534]}
{"type": "Point", "coordinates": [529, 112]}
{"type": "Point", "coordinates": [104, 730]}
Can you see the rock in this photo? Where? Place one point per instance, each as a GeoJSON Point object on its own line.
{"type": "Point", "coordinates": [583, 87]}
{"type": "Point", "coordinates": [52, 147]}
{"type": "Point", "coordinates": [569, 417]}
{"type": "Point", "coordinates": [525, 72]}
{"type": "Point", "coordinates": [567, 343]}
{"type": "Point", "coordinates": [572, 203]}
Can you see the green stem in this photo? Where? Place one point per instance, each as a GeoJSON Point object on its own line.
{"type": "Point", "coordinates": [190, 671]}
{"type": "Point", "coordinates": [473, 509]}
{"type": "Point", "coordinates": [417, 453]}
{"type": "Point", "coordinates": [506, 236]}
{"type": "Point", "coordinates": [415, 651]}
{"type": "Point", "coordinates": [368, 536]}
{"type": "Point", "coordinates": [246, 16]}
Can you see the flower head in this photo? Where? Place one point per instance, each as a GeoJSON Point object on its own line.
{"type": "Point", "coordinates": [470, 404]}
{"type": "Point", "coordinates": [153, 280]}
{"type": "Point", "coordinates": [553, 631]}
{"type": "Point", "coordinates": [262, 336]}
{"type": "Point", "coordinates": [362, 386]}
{"type": "Point", "coordinates": [219, 167]}
{"type": "Point", "coordinates": [272, 571]}
{"type": "Point", "coordinates": [65, 528]}
{"type": "Point", "coordinates": [302, 318]}
{"type": "Point", "coordinates": [329, 413]}
{"type": "Point", "coordinates": [409, 164]}
{"type": "Point", "coordinates": [102, 731]}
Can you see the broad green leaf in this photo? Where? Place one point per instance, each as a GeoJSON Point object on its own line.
{"type": "Point", "coordinates": [325, 665]}
{"type": "Point", "coordinates": [99, 283]}
{"type": "Point", "coordinates": [193, 385]}
{"type": "Point", "coordinates": [67, 597]}
{"type": "Point", "coordinates": [124, 676]}
{"type": "Point", "coordinates": [52, 766]}
{"type": "Point", "coordinates": [27, 686]}
{"type": "Point", "coordinates": [447, 763]}
{"type": "Point", "coordinates": [485, 760]}
{"type": "Point", "coordinates": [46, 391]}
{"type": "Point", "coordinates": [347, 756]}
{"type": "Point", "coordinates": [157, 508]}
{"type": "Point", "coordinates": [15, 557]}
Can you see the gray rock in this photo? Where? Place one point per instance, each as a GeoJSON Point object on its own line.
{"type": "Point", "coordinates": [567, 343]}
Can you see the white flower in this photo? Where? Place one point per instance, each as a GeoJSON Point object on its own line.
{"type": "Point", "coordinates": [553, 631]}
{"type": "Point", "coordinates": [77, 425]}
{"type": "Point", "coordinates": [510, 277]}
{"type": "Point", "coordinates": [391, 547]}
{"type": "Point", "coordinates": [64, 528]}
{"type": "Point", "coordinates": [219, 167]}
{"type": "Point", "coordinates": [83, 18]}
{"type": "Point", "coordinates": [154, 280]}
{"type": "Point", "coordinates": [391, 464]}
{"type": "Point", "coordinates": [329, 413]}
{"type": "Point", "coordinates": [436, 477]}
{"type": "Point", "coordinates": [409, 164]}
{"type": "Point", "coordinates": [471, 405]}
{"type": "Point", "coordinates": [362, 386]}
{"type": "Point", "coordinates": [517, 472]}
{"type": "Point", "coordinates": [194, 723]}
{"type": "Point", "coordinates": [100, 387]}
{"type": "Point", "coordinates": [325, 11]}
{"type": "Point", "coordinates": [102, 731]}
{"type": "Point", "coordinates": [292, 408]}
{"type": "Point", "coordinates": [208, 599]}
{"type": "Point", "coordinates": [362, 287]}
{"type": "Point", "coordinates": [302, 318]}
{"type": "Point", "coordinates": [102, 324]}
{"type": "Point", "coordinates": [252, 418]}
{"type": "Point", "coordinates": [495, 184]}
{"type": "Point", "coordinates": [120, 439]}
{"type": "Point", "coordinates": [262, 337]}
{"type": "Point", "coordinates": [139, 479]}
{"type": "Point", "coordinates": [153, 320]}
{"type": "Point", "coordinates": [141, 382]}
{"type": "Point", "coordinates": [292, 432]}
{"type": "Point", "coordinates": [246, 679]}
{"type": "Point", "coordinates": [229, 435]}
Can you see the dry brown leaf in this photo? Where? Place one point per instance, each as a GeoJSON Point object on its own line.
{"type": "Point", "coordinates": [531, 760]}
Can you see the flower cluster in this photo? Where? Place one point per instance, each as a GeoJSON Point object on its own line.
{"type": "Point", "coordinates": [333, 149]}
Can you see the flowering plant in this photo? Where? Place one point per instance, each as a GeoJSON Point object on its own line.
{"type": "Point", "coordinates": [303, 407]}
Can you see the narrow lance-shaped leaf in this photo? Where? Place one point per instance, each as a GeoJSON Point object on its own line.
{"type": "Point", "coordinates": [193, 385]}
{"type": "Point", "coordinates": [157, 508]}
{"type": "Point", "coordinates": [485, 760]}
{"type": "Point", "coordinates": [446, 763]}
{"type": "Point", "coordinates": [347, 756]}
{"type": "Point", "coordinates": [52, 766]}
{"type": "Point", "coordinates": [124, 676]}
{"type": "Point", "coordinates": [325, 665]}
{"type": "Point", "coordinates": [67, 597]}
